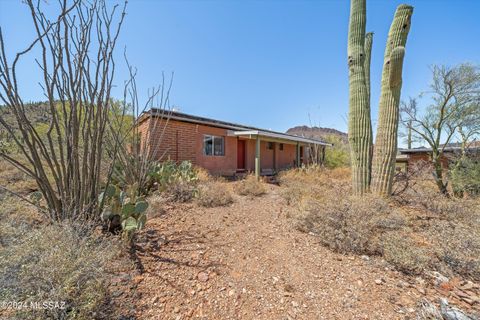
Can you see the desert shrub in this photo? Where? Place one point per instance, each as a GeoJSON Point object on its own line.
{"type": "Point", "coordinates": [458, 246]}
{"type": "Point", "coordinates": [181, 191]}
{"type": "Point", "coordinates": [250, 186]}
{"type": "Point", "coordinates": [312, 181]}
{"type": "Point", "coordinates": [465, 178]}
{"type": "Point", "coordinates": [59, 263]}
{"type": "Point", "coordinates": [203, 175]}
{"type": "Point", "coordinates": [427, 199]}
{"type": "Point", "coordinates": [348, 224]}
{"type": "Point", "coordinates": [403, 253]}
{"type": "Point", "coordinates": [214, 194]}
{"type": "Point", "coordinates": [157, 205]}
{"type": "Point", "coordinates": [338, 155]}
{"type": "Point", "coordinates": [416, 229]}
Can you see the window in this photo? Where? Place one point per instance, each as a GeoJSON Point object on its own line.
{"type": "Point", "coordinates": [270, 145]}
{"type": "Point", "coordinates": [213, 145]}
{"type": "Point", "coordinates": [280, 146]}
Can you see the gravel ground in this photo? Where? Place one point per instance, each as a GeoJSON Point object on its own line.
{"type": "Point", "coordinates": [246, 261]}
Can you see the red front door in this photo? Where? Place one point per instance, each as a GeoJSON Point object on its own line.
{"type": "Point", "coordinates": [240, 154]}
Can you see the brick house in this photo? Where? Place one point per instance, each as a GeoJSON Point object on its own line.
{"type": "Point", "coordinates": [224, 148]}
{"type": "Point", "coordinates": [451, 152]}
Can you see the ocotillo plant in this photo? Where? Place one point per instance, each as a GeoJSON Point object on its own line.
{"type": "Point", "coordinates": [359, 124]}
{"type": "Point", "coordinates": [383, 164]}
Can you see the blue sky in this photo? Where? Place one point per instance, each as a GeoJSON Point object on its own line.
{"type": "Point", "coordinates": [269, 64]}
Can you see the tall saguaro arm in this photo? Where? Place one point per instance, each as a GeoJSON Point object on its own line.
{"type": "Point", "coordinates": [359, 123]}
{"type": "Point", "coordinates": [383, 163]}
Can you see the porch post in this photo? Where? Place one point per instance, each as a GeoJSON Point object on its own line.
{"type": "Point", "coordinates": [257, 158]}
{"type": "Point", "coordinates": [298, 154]}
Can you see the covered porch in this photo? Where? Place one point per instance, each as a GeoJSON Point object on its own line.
{"type": "Point", "coordinates": [268, 152]}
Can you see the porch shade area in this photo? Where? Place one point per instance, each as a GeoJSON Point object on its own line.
{"type": "Point", "coordinates": [268, 136]}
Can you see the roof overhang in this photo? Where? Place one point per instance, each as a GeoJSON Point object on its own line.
{"type": "Point", "coordinates": [273, 136]}
{"type": "Point", "coordinates": [233, 128]}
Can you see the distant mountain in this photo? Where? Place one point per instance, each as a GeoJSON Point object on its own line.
{"type": "Point", "coordinates": [318, 133]}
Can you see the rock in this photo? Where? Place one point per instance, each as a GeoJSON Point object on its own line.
{"type": "Point", "coordinates": [378, 281]}
{"type": "Point", "coordinates": [438, 278]}
{"type": "Point", "coordinates": [176, 309]}
{"type": "Point", "coordinates": [231, 292]}
{"type": "Point", "coordinates": [365, 257]}
{"type": "Point", "coordinates": [295, 304]}
{"type": "Point", "coordinates": [202, 276]}
{"type": "Point", "coordinates": [452, 313]}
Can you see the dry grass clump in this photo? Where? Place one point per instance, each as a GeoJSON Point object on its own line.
{"type": "Point", "coordinates": [203, 175]}
{"type": "Point", "coordinates": [250, 186]}
{"type": "Point", "coordinates": [312, 181]}
{"type": "Point", "coordinates": [214, 194]}
{"type": "Point", "coordinates": [59, 263]}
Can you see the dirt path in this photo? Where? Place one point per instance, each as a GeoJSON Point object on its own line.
{"type": "Point", "coordinates": [247, 261]}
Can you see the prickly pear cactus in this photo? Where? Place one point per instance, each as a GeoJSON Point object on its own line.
{"type": "Point", "coordinates": [125, 206]}
{"type": "Point", "coordinates": [383, 164]}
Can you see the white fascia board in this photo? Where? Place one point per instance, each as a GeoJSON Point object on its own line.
{"type": "Point", "coordinates": [279, 136]}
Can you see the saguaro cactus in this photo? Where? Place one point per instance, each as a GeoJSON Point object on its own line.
{"type": "Point", "coordinates": [359, 124]}
{"type": "Point", "coordinates": [387, 128]}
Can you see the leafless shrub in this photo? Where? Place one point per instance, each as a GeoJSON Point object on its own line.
{"type": "Point", "coordinates": [406, 181]}
{"type": "Point", "coordinates": [214, 194]}
{"type": "Point", "coordinates": [251, 187]}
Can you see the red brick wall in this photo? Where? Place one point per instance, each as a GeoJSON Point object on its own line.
{"type": "Point", "coordinates": [173, 140]}
{"type": "Point", "coordinates": [179, 141]}
{"type": "Point", "coordinates": [415, 157]}
{"type": "Point", "coordinates": [225, 165]}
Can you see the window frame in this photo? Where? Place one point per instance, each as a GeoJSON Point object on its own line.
{"type": "Point", "coordinates": [213, 138]}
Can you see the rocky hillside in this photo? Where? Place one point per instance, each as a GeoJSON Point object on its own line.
{"type": "Point", "coordinates": [318, 133]}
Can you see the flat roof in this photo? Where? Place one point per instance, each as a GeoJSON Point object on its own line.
{"type": "Point", "coordinates": [446, 149]}
{"type": "Point", "coordinates": [238, 129]}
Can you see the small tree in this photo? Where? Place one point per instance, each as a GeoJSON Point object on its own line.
{"type": "Point", "coordinates": [454, 95]}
